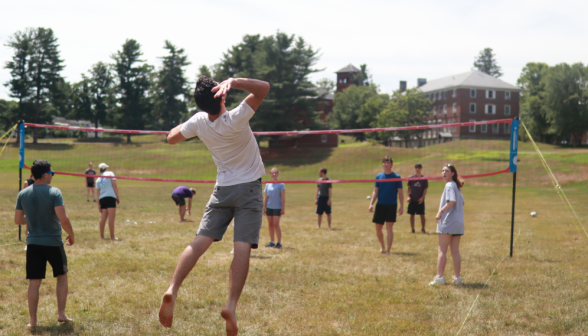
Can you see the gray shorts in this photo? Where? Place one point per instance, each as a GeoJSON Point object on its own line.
{"type": "Point", "coordinates": [244, 203]}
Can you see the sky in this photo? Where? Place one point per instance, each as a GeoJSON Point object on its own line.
{"type": "Point", "coordinates": [398, 40]}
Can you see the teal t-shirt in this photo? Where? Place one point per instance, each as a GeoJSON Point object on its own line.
{"type": "Point", "coordinates": [38, 202]}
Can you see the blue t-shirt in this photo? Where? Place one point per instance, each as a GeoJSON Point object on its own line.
{"type": "Point", "coordinates": [274, 193]}
{"type": "Point", "coordinates": [388, 191]}
{"type": "Point", "coordinates": [183, 192]}
{"type": "Point", "coordinates": [38, 202]}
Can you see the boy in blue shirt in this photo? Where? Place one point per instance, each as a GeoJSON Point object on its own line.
{"type": "Point", "coordinates": [387, 194]}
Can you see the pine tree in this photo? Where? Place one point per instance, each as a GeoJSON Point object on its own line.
{"type": "Point", "coordinates": [486, 62]}
{"type": "Point", "coordinates": [171, 84]}
{"type": "Point", "coordinates": [131, 88]}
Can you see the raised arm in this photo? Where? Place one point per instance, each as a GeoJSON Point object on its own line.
{"type": "Point", "coordinates": [258, 89]}
{"type": "Point", "coordinates": [65, 224]}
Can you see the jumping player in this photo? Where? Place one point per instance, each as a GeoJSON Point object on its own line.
{"type": "Point", "coordinates": [237, 193]}
{"type": "Point", "coordinates": [40, 207]}
{"type": "Point", "coordinates": [417, 190]}
{"type": "Point", "coordinates": [387, 194]}
{"type": "Point", "coordinates": [179, 196]}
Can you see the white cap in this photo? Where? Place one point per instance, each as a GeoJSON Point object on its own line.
{"type": "Point", "coordinates": [103, 165]}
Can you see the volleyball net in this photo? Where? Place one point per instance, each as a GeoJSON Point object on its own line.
{"type": "Point", "coordinates": [477, 149]}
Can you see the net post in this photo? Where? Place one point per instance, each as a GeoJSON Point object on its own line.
{"type": "Point", "coordinates": [21, 150]}
{"type": "Point", "coordinates": [514, 146]}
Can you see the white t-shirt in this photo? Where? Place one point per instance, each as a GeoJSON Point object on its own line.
{"type": "Point", "coordinates": [231, 143]}
{"type": "Point", "coordinates": [452, 221]}
{"type": "Point", "coordinates": [105, 185]}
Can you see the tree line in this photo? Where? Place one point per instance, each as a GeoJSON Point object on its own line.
{"type": "Point", "coordinates": [128, 93]}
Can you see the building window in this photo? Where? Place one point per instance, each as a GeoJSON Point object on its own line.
{"type": "Point", "coordinates": [444, 109]}
{"type": "Point", "coordinates": [484, 128]}
{"type": "Point", "coordinates": [472, 127]}
{"type": "Point", "coordinates": [444, 94]}
{"type": "Point", "coordinates": [472, 107]}
{"type": "Point", "coordinates": [506, 128]}
{"type": "Point", "coordinates": [454, 108]}
{"type": "Point", "coordinates": [490, 94]}
{"type": "Point", "coordinates": [507, 95]}
{"type": "Point", "coordinates": [496, 128]}
{"type": "Point", "coordinates": [454, 93]}
{"type": "Point", "coordinates": [473, 93]}
{"type": "Point", "coordinates": [324, 138]}
{"type": "Point", "coordinates": [434, 110]}
{"type": "Point", "coordinates": [507, 110]}
{"type": "Point", "coordinates": [490, 109]}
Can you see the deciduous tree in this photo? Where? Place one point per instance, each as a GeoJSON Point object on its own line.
{"type": "Point", "coordinates": [533, 109]}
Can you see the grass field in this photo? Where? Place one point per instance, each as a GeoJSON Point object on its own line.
{"type": "Point", "coordinates": [323, 282]}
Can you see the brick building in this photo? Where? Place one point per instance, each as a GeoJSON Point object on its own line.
{"type": "Point", "coordinates": [471, 96]}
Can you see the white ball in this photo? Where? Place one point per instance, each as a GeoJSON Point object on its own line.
{"type": "Point", "coordinates": [369, 197]}
{"type": "Point", "coordinates": [533, 214]}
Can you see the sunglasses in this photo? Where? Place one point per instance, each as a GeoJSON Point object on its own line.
{"type": "Point", "coordinates": [449, 165]}
{"type": "Point", "coordinates": [51, 172]}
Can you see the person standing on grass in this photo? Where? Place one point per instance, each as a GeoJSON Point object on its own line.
{"type": "Point", "coordinates": [417, 190]}
{"type": "Point", "coordinates": [274, 206]}
{"type": "Point", "coordinates": [450, 224]}
{"type": "Point", "coordinates": [179, 196]}
{"type": "Point", "coordinates": [108, 199]}
{"type": "Point", "coordinates": [90, 182]}
{"type": "Point", "coordinates": [237, 193]}
{"type": "Point", "coordinates": [387, 194]}
{"type": "Point", "coordinates": [323, 198]}
{"type": "Point", "coordinates": [41, 208]}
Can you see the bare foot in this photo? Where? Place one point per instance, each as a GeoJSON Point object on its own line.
{"type": "Point", "coordinates": [387, 253]}
{"type": "Point", "coordinates": [231, 320]}
{"type": "Point", "coordinates": [116, 239]}
{"type": "Point", "coordinates": [32, 324]}
{"type": "Point", "coordinates": [64, 319]}
{"type": "Point", "coordinates": [166, 311]}
{"type": "Point", "coordinates": [382, 251]}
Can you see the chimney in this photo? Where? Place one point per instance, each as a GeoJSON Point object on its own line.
{"type": "Point", "coordinates": [421, 82]}
{"type": "Point", "coordinates": [402, 86]}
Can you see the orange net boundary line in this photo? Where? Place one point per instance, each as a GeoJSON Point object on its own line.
{"type": "Point", "coordinates": [507, 170]}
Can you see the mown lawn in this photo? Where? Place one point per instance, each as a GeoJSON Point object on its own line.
{"type": "Point", "coordinates": [323, 282]}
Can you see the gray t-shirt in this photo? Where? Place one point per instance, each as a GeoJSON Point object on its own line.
{"type": "Point", "coordinates": [417, 188]}
{"type": "Point", "coordinates": [452, 221]}
{"type": "Point", "coordinates": [38, 202]}
{"type": "Point", "coordinates": [324, 187]}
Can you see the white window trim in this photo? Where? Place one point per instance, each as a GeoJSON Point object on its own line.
{"type": "Point", "coordinates": [434, 110]}
{"type": "Point", "coordinates": [472, 127]}
{"type": "Point", "coordinates": [484, 128]}
{"type": "Point", "coordinates": [454, 93]}
{"type": "Point", "coordinates": [445, 95]}
{"type": "Point", "coordinates": [444, 109]}
{"type": "Point", "coordinates": [475, 93]}
{"type": "Point", "coordinates": [488, 94]}
{"type": "Point", "coordinates": [509, 110]}
{"type": "Point", "coordinates": [507, 97]}
{"type": "Point", "coordinates": [454, 108]}
{"type": "Point", "coordinates": [493, 109]}
{"type": "Point", "coordinates": [506, 128]}
{"type": "Point", "coordinates": [474, 104]}
{"type": "Point", "coordinates": [495, 128]}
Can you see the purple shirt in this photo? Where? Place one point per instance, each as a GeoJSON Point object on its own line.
{"type": "Point", "coordinates": [182, 192]}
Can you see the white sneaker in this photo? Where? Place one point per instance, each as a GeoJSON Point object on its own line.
{"type": "Point", "coordinates": [438, 281]}
{"type": "Point", "coordinates": [457, 281]}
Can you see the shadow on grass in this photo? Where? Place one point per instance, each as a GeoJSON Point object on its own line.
{"type": "Point", "coordinates": [61, 329]}
{"type": "Point", "coordinates": [408, 254]}
{"type": "Point", "coordinates": [260, 257]}
{"type": "Point", "coordinates": [473, 285]}
{"type": "Point", "coordinates": [49, 146]}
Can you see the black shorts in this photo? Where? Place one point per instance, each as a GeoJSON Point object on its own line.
{"type": "Point", "coordinates": [385, 213]}
{"type": "Point", "coordinates": [322, 206]}
{"type": "Point", "coordinates": [179, 200]}
{"type": "Point", "coordinates": [90, 184]}
{"type": "Point", "coordinates": [107, 202]}
{"type": "Point", "coordinates": [273, 212]}
{"type": "Point", "coordinates": [38, 256]}
{"type": "Point", "coordinates": [414, 208]}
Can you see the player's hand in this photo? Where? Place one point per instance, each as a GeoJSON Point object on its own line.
{"type": "Point", "coordinates": [438, 217]}
{"type": "Point", "coordinates": [316, 202]}
{"type": "Point", "coordinates": [283, 212]}
{"type": "Point", "coordinates": [118, 201]}
{"type": "Point", "coordinates": [371, 208]}
{"type": "Point", "coordinates": [264, 212]}
{"type": "Point", "coordinates": [189, 213]}
{"type": "Point", "coordinates": [408, 200]}
{"type": "Point", "coordinates": [400, 211]}
{"type": "Point", "coordinates": [223, 88]}
{"type": "Point", "coordinates": [69, 240]}
{"type": "Point", "coordinates": [329, 202]}
{"type": "Point", "coordinates": [421, 200]}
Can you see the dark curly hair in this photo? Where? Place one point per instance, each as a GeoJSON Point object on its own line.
{"type": "Point", "coordinates": [40, 167]}
{"type": "Point", "coordinates": [205, 97]}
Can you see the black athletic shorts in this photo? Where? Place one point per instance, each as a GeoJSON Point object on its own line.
{"type": "Point", "coordinates": [39, 255]}
{"type": "Point", "coordinates": [107, 202]}
{"type": "Point", "coordinates": [322, 206]}
{"type": "Point", "coordinates": [414, 208]}
{"type": "Point", "coordinates": [179, 200]}
{"type": "Point", "coordinates": [90, 184]}
{"type": "Point", "coordinates": [385, 213]}
{"type": "Point", "coordinates": [273, 212]}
